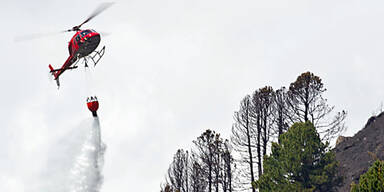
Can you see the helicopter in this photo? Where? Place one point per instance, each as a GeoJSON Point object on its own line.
{"type": "Point", "coordinates": [82, 45]}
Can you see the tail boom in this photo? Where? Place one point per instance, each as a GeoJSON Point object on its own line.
{"type": "Point", "coordinates": [55, 73]}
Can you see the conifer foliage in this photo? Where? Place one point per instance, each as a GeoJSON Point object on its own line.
{"type": "Point", "coordinates": [301, 162]}
{"type": "Point", "coordinates": [373, 180]}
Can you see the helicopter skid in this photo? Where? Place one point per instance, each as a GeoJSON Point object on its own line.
{"type": "Point", "coordinates": [94, 57]}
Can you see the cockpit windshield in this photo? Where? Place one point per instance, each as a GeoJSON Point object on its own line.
{"type": "Point", "coordinates": [85, 32]}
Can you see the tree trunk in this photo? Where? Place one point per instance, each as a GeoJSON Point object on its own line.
{"type": "Point", "coordinates": [250, 150]}
{"type": "Point", "coordinates": [259, 146]}
{"type": "Point", "coordinates": [210, 176]}
{"type": "Point", "coordinates": [306, 104]}
{"type": "Point", "coordinates": [265, 139]}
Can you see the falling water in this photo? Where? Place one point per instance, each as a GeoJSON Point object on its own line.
{"type": "Point", "coordinates": [86, 173]}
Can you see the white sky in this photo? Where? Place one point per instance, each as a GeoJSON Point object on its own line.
{"type": "Point", "coordinates": [173, 69]}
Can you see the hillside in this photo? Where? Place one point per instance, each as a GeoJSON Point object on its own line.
{"type": "Point", "coordinates": [356, 154]}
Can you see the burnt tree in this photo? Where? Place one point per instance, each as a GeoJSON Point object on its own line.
{"type": "Point", "coordinates": [306, 103]}
{"type": "Point", "coordinates": [280, 112]}
{"type": "Point", "coordinates": [178, 171]}
{"type": "Point", "coordinates": [266, 95]}
{"type": "Point", "coordinates": [205, 145]}
{"type": "Point", "coordinates": [197, 177]}
{"type": "Point", "coordinates": [242, 134]}
{"type": "Point", "coordinates": [227, 169]}
{"type": "Point", "coordinates": [256, 114]}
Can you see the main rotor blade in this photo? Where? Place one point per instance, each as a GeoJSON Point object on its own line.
{"type": "Point", "coordinates": [102, 7]}
{"type": "Point", "coordinates": [35, 36]}
{"type": "Point", "coordinates": [104, 34]}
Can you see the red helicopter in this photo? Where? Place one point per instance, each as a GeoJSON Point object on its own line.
{"type": "Point", "coordinates": [82, 46]}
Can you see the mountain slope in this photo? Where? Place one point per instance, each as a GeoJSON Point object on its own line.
{"type": "Point", "coordinates": [356, 154]}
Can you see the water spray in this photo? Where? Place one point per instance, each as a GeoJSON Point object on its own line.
{"type": "Point", "coordinates": [86, 173]}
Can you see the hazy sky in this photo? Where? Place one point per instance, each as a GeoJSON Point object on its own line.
{"type": "Point", "coordinates": [171, 70]}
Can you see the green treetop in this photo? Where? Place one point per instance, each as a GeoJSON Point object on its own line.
{"type": "Point", "coordinates": [301, 162]}
{"type": "Point", "coordinates": [373, 180]}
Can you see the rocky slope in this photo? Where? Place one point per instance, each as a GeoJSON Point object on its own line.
{"type": "Point", "coordinates": [356, 154]}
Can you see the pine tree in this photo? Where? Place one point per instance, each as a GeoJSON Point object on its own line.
{"type": "Point", "coordinates": [301, 162]}
{"type": "Point", "coordinates": [373, 180]}
{"type": "Point", "coordinates": [178, 171]}
{"type": "Point", "coordinates": [280, 111]}
{"type": "Point", "coordinates": [306, 103]}
{"type": "Point", "coordinates": [243, 132]}
{"type": "Point", "coordinates": [208, 152]}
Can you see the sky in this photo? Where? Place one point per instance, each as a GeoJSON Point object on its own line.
{"type": "Point", "coordinates": [172, 69]}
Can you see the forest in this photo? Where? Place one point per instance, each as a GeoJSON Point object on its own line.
{"type": "Point", "coordinates": [280, 141]}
